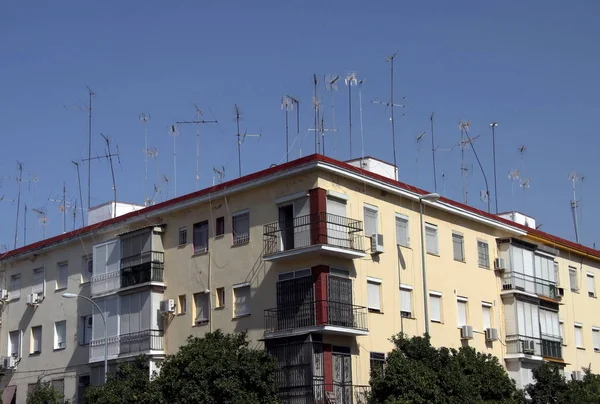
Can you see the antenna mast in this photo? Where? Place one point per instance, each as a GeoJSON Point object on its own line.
{"type": "Point", "coordinates": [112, 172]}
{"type": "Point", "coordinates": [240, 137]}
{"type": "Point", "coordinates": [513, 176]}
{"type": "Point", "coordinates": [485, 196]}
{"type": "Point", "coordinates": [80, 196]}
{"type": "Point", "coordinates": [573, 177]}
{"type": "Point", "coordinates": [350, 81]}
{"type": "Point", "coordinates": [19, 180]}
{"type": "Point", "coordinates": [419, 138]}
{"type": "Point", "coordinates": [91, 94]}
{"type": "Point", "coordinates": [525, 182]}
{"type": "Point", "coordinates": [174, 131]}
{"type": "Point", "coordinates": [144, 118]}
{"type": "Point", "coordinates": [287, 104]}
{"type": "Point", "coordinates": [493, 125]}
{"type": "Point", "coordinates": [433, 153]}
{"type": "Point", "coordinates": [331, 84]}
{"type": "Point", "coordinates": [391, 60]}
{"type": "Point", "coordinates": [198, 122]}
{"type": "Point", "coordinates": [316, 105]}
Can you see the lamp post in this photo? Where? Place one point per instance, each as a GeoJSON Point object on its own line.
{"type": "Point", "coordinates": [74, 296]}
{"type": "Point", "coordinates": [429, 198]}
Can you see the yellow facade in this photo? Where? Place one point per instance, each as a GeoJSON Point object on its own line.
{"type": "Point", "coordinates": [307, 237]}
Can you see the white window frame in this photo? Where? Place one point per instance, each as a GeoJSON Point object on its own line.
{"type": "Point", "coordinates": [86, 332]}
{"type": "Point", "coordinates": [436, 295]}
{"type": "Point", "coordinates": [596, 338]}
{"type": "Point", "coordinates": [235, 288]}
{"type": "Point", "coordinates": [196, 297]}
{"type": "Point", "coordinates": [487, 306]}
{"type": "Point", "coordinates": [236, 238]}
{"type": "Point", "coordinates": [403, 312]}
{"type": "Point", "coordinates": [19, 343]}
{"type": "Point", "coordinates": [435, 249]}
{"type": "Point", "coordinates": [58, 344]}
{"type": "Point", "coordinates": [378, 282]}
{"type": "Point", "coordinates": [220, 297]}
{"type": "Point", "coordinates": [462, 300]}
{"type": "Point", "coordinates": [32, 350]}
{"type": "Point", "coordinates": [60, 267]}
{"type": "Point", "coordinates": [590, 278]}
{"type": "Point", "coordinates": [14, 291]}
{"type": "Point", "coordinates": [573, 271]}
{"type": "Point", "coordinates": [578, 329]}
{"type": "Point", "coordinates": [406, 241]}
{"type": "Point", "coordinates": [182, 236]}
{"type": "Point", "coordinates": [87, 263]}
{"type": "Point", "coordinates": [34, 287]}
{"type": "Point", "coordinates": [198, 247]}
{"type": "Point", "coordinates": [487, 247]}
{"type": "Point", "coordinates": [372, 209]}
{"type": "Point", "coordinates": [460, 237]}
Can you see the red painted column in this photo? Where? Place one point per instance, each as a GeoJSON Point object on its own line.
{"type": "Point", "coordinates": [320, 286]}
{"type": "Point", "coordinates": [328, 367]}
{"type": "Point", "coordinates": [318, 208]}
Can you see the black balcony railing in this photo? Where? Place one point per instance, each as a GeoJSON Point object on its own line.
{"type": "Point", "coordinates": [519, 281]}
{"type": "Point", "coordinates": [142, 268]}
{"type": "Point", "coordinates": [319, 313]}
{"type": "Point", "coordinates": [547, 346]}
{"type": "Point", "coordinates": [146, 340]}
{"type": "Point", "coordinates": [321, 393]}
{"type": "Point", "coordinates": [318, 228]}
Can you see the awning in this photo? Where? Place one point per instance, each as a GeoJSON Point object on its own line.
{"type": "Point", "coordinates": [8, 394]}
{"type": "Point", "coordinates": [151, 226]}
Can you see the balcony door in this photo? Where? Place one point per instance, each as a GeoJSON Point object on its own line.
{"type": "Point", "coordinates": [342, 374]}
{"type": "Point", "coordinates": [339, 293]}
{"type": "Point", "coordinates": [295, 303]}
{"type": "Point", "coordinates": [337, 226]}
{"type": "Point", "coordinates": [294, 224]}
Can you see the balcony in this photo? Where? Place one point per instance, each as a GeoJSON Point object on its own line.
{"type": "Point", "coordinates": [105, 283]}
{"type": "Point", "coordinates": [323, 232]}
{"type": "Point", "coordinates": [146, 267]}
{"type": "Point", "coordinates": [547, 347]}
{"type": "Point", "coordinates": [320, 316]}
{"type": "Point", "coordinates": [529, 284]}
{"type": "Point", "coordinates": [132, 344]}
{"type": "Point", "coordinates": [318, 393]}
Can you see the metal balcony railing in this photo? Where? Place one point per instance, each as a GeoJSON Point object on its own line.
{"type": "Point", "coordinates": [140, 341]}
{"type": "Point", "coordinates": [547, 346]}
{"type": "Point", "coordinates": [322, 393]}
{"type": "Point", "coordinates": [318, 313]}
{"type": "Point", "coordinates": [318, 228]}
{"type": "Point", "coordinates": [519, 281]}
{"type": "Point", "coordinates": [145, 267]}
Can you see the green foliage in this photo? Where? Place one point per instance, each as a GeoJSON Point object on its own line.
{"type": "Point", "coordinates": [417, 373]}
{"type": "Point", "coordinates": [218, 368]}
{"type": "Point", "coordinates": [551, 387]}
{"type": "Point", "coordinates": [44, 393]}
{"type": "Point", "coordinates": [130, 384]}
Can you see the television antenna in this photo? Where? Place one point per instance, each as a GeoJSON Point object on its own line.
{"type": "Point", "coordinates": [513, 176]}
{"type": "Point", "coordinates": [240, 137]}
{"type": "Point", "coordinates": [91, 94]}
{"type": "Point", "coordinates": [316, 106]}
{"type": "Point", "coordinates": [465, 126]}
{"type": "Point", "coordinates": [573, 177]}
{"type": "Point", "coordinates": [63, 206]}
{"type": "Point", "coordinates": [174, 132]}
{"type": "Point", "coordinates": [199, 121]}
{"type": "Point", "coordinates": [331, 85]}
{"type": "Point", "coordinates": [494, 125]}
{"type": "Point", "coordinates": [112, 171]}
{"type": "Point", "coordinates": [144, 118]}
{"type": "Point", "coordinates": [80, 197]}
{"type": "Point", "coordinates": [418, 139]}
{"type": "Point", "coordinates": [43, 220]}
{"type": "Point", "coordinates": [287, 105]}
{"type": "Point", "coordinates": [19, 182]}
{"type": "Point", "coordinates": [220, 174]}
{"type": "Point", "coordinates": [525, 182]}
{"type": "Point", "coordinates": [433, 152]}
{"type": "Point", "coordinates": [351, 81]}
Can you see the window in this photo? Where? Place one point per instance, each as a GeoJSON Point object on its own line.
{"type": "Point", "coordinates": [431, 238]}
{"type": "Point", "coordinates": [181, 304]}
{"type": "Point", "coordinates": [556, 273]}
{"type": "Point", "coordinates": [402, 234]}
{"type": "Point", "coordinates": [578, 335]}
{"type": "Point", "coordinates": [241, 300]}
{"type": "Point", "coordinates": [240, 223]}
{"type": "Point", "coordinates": [377, 361]}
{"type": "Point", "coordinates": [36, 340]}
{"type": "Point", "coordinates": [483, 254]}
{"type": "Point", "coordinates": [59, 386]}
{"type": "Point", "coordinates": [461, 303]}
{"type": "Point", "coordinates": [486, 311]}
{"type": "Point", "coordinates": [201, 237]}
{"type": "Point", "coordinates": [371, 220]}
{"type": "Point", "coordinates": [220, 297]}
{"type": "Point", "coordinates": [591, 285]}
{"type": "Point", "coordinates": [37, 282]}
{"type": "Point", "coordinates": [14, 344]}
{"type": "Point", "coordinates": [435, 307]}
{"type": "Point", "coordinates": [87, 267]}
{"type": "Point", "coordinates": [83, 382]}
{"type": "Point", "coordinates": [220, 226]}
{"type": "Point", "coordinates": [406, 301]}
{"type": "Point", "coordinates": [301, 273]}
{"type": "Point", "coordinates": [86, 329]}
{"type": "Point", "coordinates": [458, 247]}
{"type": "Point", "coordinates": [15, 287]}
{"type": "Point", "coordinates": [63, 275]}
{"type": "Point", "coordinates": [374, 294]}
{"type": "Point", "coordinates": [202, 308]}
{"type": "Point", "coordinates": [182, 236]}
{"type": "Point", "coordinates": [60, 334]}
{"type": "Point", "coordinates": [573, 279]}
{"type": "Point", "coordinates": [596, 338]}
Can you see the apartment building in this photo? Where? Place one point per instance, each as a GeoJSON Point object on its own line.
{"type": "Point", "coordinates": [319, 261]}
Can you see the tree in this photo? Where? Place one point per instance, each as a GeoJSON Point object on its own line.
{"type": "Point", "coordinates": [417, 373]}
{"type": "Point", "coordinates": [131, 384]}
{"type": "Point", "coordinates": [551, 387]}
{"type": "Point", "coordinates": [218, 368]}
{"type": "Point", "coordinates": [44, 393]}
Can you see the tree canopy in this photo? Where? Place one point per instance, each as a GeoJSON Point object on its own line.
{"type": "Point", "coordinates": [417, 373]}
{"type": "Point", "coordinates": [551, 387]}
{"type": "Point", "coordinates": [44, 393]}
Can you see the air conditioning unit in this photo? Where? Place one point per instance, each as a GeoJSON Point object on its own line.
{"type": "Point", "coordinates": [167, 306]}
{"type": "Point", "coordinates": [528, 346]}
{"type": "Point", "coordinates": [377, 243]}
{"type": "Point", "coordinates": [499, 264]}
{"type": "Point", "coordinates": [491, 334]}
{"type": "Point", "coordinates": [3, 294]}
{"type": "Point", "coordinates": [33, 299]}
{"type": "Point", "coordinates": [466, 332]}
{"type": "Point", "coordinates": [560, 292]}
{"type": "Point", "coordinates": [10, 362]}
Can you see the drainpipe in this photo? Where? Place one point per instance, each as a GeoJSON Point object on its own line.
{"type": "Point", "coordinates": [210, 308]}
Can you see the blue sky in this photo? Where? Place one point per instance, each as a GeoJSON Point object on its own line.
{"type": "Point", "coordinates": [531, 66]}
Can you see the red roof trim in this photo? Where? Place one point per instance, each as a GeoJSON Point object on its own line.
{"type": "Point", "coordinates": [279, 168]}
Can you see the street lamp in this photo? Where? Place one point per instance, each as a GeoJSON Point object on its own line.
{"type": "Point", "coordinates": [433, 197]}
{"type": "Point", "coordinates": [74, 296]}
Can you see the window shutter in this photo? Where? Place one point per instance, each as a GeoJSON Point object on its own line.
{"type": "Point", "coordinates": [462, 313]}
{"type": "Point", "coordinates": [242, 300]}
{"type": "Point", "coordinates": [596, 335]}
{"type": "Point", "coordinates": [457, 245]}
{"type": "Point", "coordinates": [370, 221]}
{"type": "Point", "coordinates": [487, 317]}
{"type": "Point", "coordinates": [405, 301]}
{"type": "Point", "coordinates": [402, 231]}
{"type": "Point", "coordinates": [591, 285]}
{"type": "Point", "coordinates": [374, 301]}
{"type": "Point", "coordinates": [431, 239]}
{"type": "Point", "coordinates": [435, 311]}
